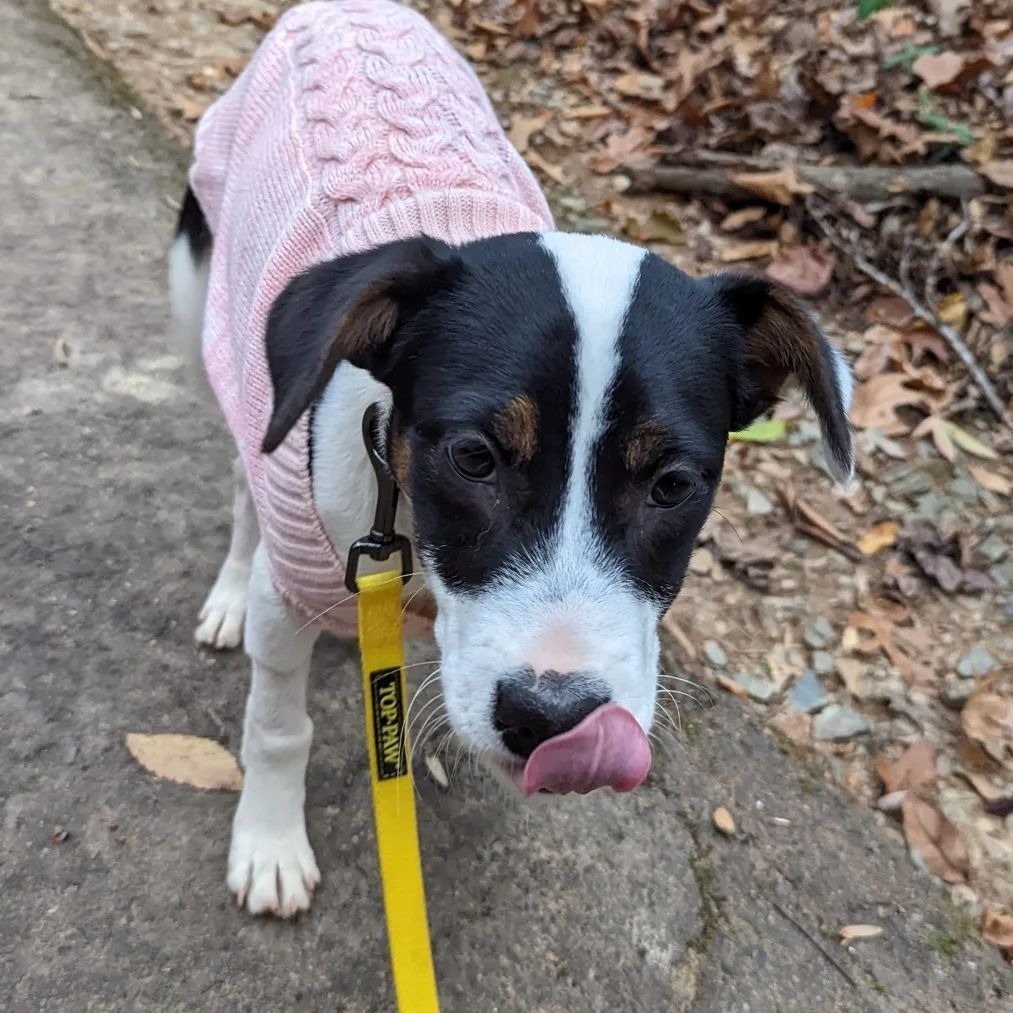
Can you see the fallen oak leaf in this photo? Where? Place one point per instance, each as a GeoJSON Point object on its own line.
{"type": "Point", "coordinates": [876, 401]}
{"type": "Point", "coordinates": [933, 841]}
{"type": "Point", "coordinates": [880, 629]}
{"type": "Point", "coordinates": [987, 718]}
{"type": "Point", "coordinates": [804, 269]}
{"type": "Point", "coordinates": [524, 128]}
{"type": "Point", "coordinates": [186, 759]}
{"type": "Point", "coordinates": [915, 769]}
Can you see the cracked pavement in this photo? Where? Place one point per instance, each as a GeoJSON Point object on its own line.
{"type": "Point", "coordinates": [114, 491]}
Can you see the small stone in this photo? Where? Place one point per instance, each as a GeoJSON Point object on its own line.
{"type": "Point", "coordinates": [909, 482]}
{"type": "Point", "coordinates": [993, 548]}
{"type": "Point", "coordinates": [723, 821]}
{"type": "Point", "coordinates": [808, 694]}
{"type": "Point", "coordinates": [819, 633]}
{"type": "Point", "coordinates": [69, 753]}
{"type": "Point", "coordinates": [838, 724]}
{"type": "Point", "coordinates": [757, 503]}
{"type": "Point", "coordinates": [759, 689]}
{"type": "Point", "coordinates": [977, 662]}
{"type": "Point", "coordinates": [929, 506]}
{"type": "Point", "coordinates": [714, 654]}
{"type": "Point", "coordinates": [965, 489]}
{"type": "Point", "coordinates": [954, 693]}
{"type": "Point", "coordinates": [823, 662]}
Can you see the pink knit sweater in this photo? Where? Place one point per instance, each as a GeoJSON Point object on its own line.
{"type": "Point", "coordinates": [355, 124]}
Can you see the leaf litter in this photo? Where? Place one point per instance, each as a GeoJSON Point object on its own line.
{"type": "Point", "coordinates": [595, 93]}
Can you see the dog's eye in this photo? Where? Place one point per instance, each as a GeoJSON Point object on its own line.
{"type": "Point", "coordinates": [472, 459]}
{"type": "Point", "coordinates": [671, 489]}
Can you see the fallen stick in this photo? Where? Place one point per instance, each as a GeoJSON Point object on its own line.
{"type": "Point", "coordinates": [860, 183]}
{"type": "Point", "coordinates": [949, 335]}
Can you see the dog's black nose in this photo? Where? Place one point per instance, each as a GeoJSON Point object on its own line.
{"type": "Point", "coordinates": [531, 709]}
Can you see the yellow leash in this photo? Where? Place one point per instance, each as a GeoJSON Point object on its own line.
{"type": "Point", "coordinates": [397, 839]}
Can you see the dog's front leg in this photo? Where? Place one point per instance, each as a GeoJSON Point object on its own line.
{"type": "Point", "coordinates": [271, 865]}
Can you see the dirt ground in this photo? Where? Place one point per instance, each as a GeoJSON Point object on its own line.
{"type": "Point", "coordinates": [113, 493]}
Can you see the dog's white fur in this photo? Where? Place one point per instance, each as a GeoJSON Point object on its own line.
{"type": "Point", "coordinates": [570, 610]}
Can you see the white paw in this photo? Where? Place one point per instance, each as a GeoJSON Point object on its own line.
{"type": "Point", "coordinates": [220, 621]}
{"type": "Point", "coordinates": [272, 873]}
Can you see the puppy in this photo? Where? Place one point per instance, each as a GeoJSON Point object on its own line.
{"type": "Point", "coordinates": [555, 410]}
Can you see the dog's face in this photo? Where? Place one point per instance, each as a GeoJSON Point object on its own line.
{"type": "Point", "coordinates": [561, 406]}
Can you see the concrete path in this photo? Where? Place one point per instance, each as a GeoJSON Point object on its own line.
{"type": "Point", "coordinates": [113, 492]}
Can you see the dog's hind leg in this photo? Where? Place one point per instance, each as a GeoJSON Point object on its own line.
{"type": "Point", "coordinates": [220, 622]}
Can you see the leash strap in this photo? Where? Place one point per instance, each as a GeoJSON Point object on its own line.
{"type": "Point", "coordinates": [397, 839]}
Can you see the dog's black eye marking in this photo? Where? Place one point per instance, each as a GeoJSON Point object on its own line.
{"type": "Point", "coordinates": [671, 489]}
{"type": "Point", "coordinates": [472, 458]}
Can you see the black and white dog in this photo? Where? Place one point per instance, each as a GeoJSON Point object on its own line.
{"type": "Point", "coordinates": [558, 411]}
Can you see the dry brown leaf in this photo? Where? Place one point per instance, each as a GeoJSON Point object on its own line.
{"type": "Point", "coordinates": [753, 249]}
{"type": "Point", "coordinates": [997, 927]}
{"type": "Point", "coordinates": [880, 537]}
{"type": "Point", "coordinates": [876, 402]}
{"type": "Point", "coordinates": [971, 444]}
{"type": "Point", "coordinates": [935, 427]}
{"type": "Point", "coordinates": [987, 718]}
{"type": "Point", "coordinates": [808, 520]}
{"type": "Point", "coordinates": [939, 69]}
{"type": "Point", "coordinates": [915, 769]}
{"type": "Point", "coordinates": [546, 168]}
{"type": "Point", "coordinates": [780, 187]}
{"type": "Point", "coordinates": [739, 219]}
{"type": "Point", "coordinates": [850, 933]}
{"type": "Point", "coordinates": [723, 821]}
{"type": "Point", "coordinates": [190, 110]}
{"type": "Point", "coordinates": [640, 84]}
{"type": "Point", "coordinates": [932, 837]}
{"type": "Point", "coordinates": [626, 147]}
{"type": "Point", "coordinates": [1000, 173]}
{"type": "Point", "coordinates": [805, 269]}
{"type": "Point", "coordinates": [524, 128]}
{"type": "Point", "coordinates": [881, 629]}
{"type": "Point", "coordinates": [186, 759]}
{"type": "Point", "coordinates": [981, 784]}
{"type": "Point", "coordinates": [990, 480]}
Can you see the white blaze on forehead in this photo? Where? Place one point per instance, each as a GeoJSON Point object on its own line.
{"type": "Point", "coordinates": [599, 278]}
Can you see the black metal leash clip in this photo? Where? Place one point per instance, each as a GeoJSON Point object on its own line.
{"type": "Point", "coordinates": [382, 541]}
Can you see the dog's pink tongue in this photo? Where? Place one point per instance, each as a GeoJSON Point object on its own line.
{"type": "Point", "coordinates": [607, 749]}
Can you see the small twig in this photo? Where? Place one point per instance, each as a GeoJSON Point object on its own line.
{"type": "Point", "coordinates": [812, 939]}
{"type": "Point", "coordinates": [952, 338]}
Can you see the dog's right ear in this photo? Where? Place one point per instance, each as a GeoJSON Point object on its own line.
{"type": "Point", "coordinates": [351, 309]}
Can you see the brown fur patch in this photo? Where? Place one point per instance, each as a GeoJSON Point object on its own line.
{"type": "Point", "coordinates": [516, 427]}
{"type": "Point", "coordinates": [645, 443]}
{"type": "Point", "coordinates": [401, 460]}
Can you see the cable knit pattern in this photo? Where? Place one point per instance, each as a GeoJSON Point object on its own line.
{"type": "Point", "coordinates": [355, 124]}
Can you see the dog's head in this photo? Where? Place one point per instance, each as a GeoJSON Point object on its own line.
{"type": "Point", "coordinates": [561, 407]}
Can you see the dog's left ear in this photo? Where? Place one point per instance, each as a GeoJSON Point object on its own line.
{"type": "Point", "coordinates": [352, 309]}
{"type": "Point", "coordinates": [781, 339]}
